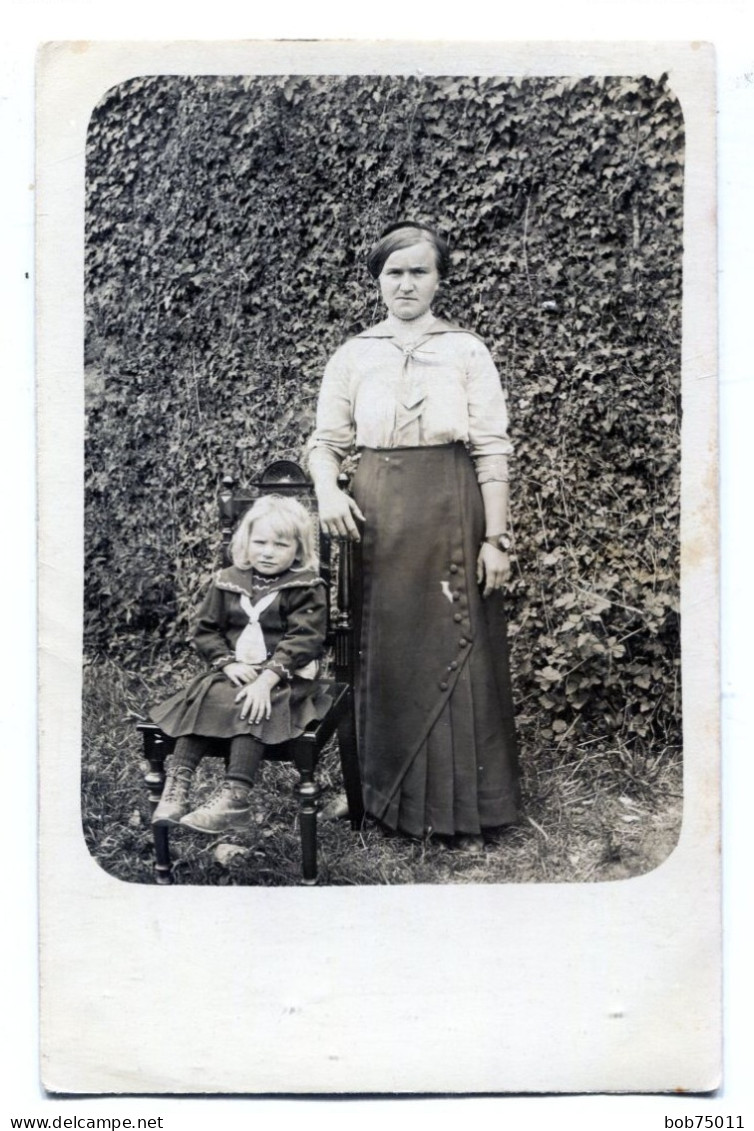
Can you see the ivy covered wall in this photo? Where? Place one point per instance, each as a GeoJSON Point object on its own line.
{"type": "Point", "coordinates": [227, 225]}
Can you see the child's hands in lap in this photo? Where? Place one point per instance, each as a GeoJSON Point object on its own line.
{"type": "Point", "coordinates": [239, 674]}
{"type": "Point", "coordinates": [255, 698]}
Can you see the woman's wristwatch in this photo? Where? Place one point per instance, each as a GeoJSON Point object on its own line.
{"type": "Point", "coordinates": [502, 542]}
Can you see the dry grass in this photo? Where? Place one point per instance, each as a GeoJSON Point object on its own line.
{"type": "Point", "coordinates": [591, 813]}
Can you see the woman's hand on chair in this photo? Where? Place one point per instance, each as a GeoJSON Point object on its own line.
{"type": "Point", "coordinates": [493, 568]}
{"type": "Point", "coordinates": [338, 513]}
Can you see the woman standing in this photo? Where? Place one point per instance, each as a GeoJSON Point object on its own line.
{"type": "Point", "coordinates": [420, 399]}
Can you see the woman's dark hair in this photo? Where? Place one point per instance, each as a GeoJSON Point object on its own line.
{"type": "Point", "coordinates": [405, 233]}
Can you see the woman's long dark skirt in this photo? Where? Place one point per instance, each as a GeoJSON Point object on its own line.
{"type": "Point", "coordinates": [436, 730]}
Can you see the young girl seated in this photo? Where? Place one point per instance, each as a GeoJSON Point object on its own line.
{"type": "Point", "coordinates": [261, 629]}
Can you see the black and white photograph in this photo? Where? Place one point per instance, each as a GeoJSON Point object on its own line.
{"type": "Point", "coordinates": [387, 434]}
{"type": "Point", "coordinates": [470, 288]}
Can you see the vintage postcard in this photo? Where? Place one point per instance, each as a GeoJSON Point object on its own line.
{"type": "Point", "coordinates": [378, 461]}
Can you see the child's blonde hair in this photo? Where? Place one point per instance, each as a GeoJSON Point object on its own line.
{"type": "Point", "coordinates": [289, 518]}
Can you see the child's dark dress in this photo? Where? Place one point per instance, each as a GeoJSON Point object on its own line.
{"type": "Point", "coordinates": [291, 613]}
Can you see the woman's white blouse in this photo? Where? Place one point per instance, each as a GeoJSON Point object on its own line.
{"type": "Point", "coordinates": [377, 393]}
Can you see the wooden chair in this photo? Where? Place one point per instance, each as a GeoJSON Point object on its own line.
{"type": "Point", "coordinates": [286, 478]}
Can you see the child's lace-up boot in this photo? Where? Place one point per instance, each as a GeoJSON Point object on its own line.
{"type": "Point", "coordinates": [174, 802]}
{"type": "Point", "coordinates": [228, 808]}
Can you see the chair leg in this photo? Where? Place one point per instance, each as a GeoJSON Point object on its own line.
{"type": "Point", "coordinates": [157, 746]}
{"type": "Point", "coordinates": [349, 764]}
{"type": "Point", "coordinates": [163, 869]}
{"type": "Point", "coordinates": [308, 792]}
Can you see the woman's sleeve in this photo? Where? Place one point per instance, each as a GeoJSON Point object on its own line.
{"type": "Point", "coordinates": [488, 417]}
{"type": "Point", "coordinates": [209, 631]}
{"type": "Point", "coordinates": [305, 615]}
{"type": "Point", "coordinates": [335, 433]}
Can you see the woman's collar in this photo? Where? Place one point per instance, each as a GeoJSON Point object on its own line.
{"type": "Point", "coordinates": [390, 327]}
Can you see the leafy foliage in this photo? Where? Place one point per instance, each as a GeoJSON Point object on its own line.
{"type": "Point", "coordinates": [228, 221]}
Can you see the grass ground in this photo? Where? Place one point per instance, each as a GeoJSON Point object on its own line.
{"type": "Point", "coordinates": [591, 813]}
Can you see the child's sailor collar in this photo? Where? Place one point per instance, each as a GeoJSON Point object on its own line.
{"type": "Point", "coordinates": [254, 585]}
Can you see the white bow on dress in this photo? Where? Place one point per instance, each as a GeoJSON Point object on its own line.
{"type": "Point", "coordinates": [251, 647]}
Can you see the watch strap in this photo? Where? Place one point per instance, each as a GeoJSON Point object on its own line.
{"type": "Point", "coordinates": [500, 541]}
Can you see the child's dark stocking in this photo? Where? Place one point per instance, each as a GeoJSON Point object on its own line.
{"type": "Point", "coordinates": [245, 755]}
{"type": "Point", "coordinates": [190, 749]}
